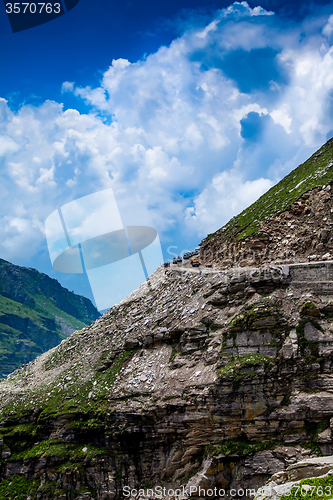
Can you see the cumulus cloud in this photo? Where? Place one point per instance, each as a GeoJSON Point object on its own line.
{"type": "Point", "coordinates": [186, 137]}
{"type": "Point", "coordinates": [67, 87]}
{"type": "Point", "coordinates": [227, 194]}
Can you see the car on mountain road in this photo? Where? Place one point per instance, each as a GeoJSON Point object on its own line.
{"type": "Point", "coordinates": [195, 262]}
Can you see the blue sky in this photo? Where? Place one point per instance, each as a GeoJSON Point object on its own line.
{"type": "Point", "coordinates": [188, 110]}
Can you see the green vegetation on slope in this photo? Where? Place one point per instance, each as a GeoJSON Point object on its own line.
{"type": "Point", "coordinates": [56, 448]}
{"type": "Point", "coordinates": [316, 171]}
{"type": "Point", "coordinates": [67, 397]}
{"type": "Point", "coordinates": [26, 333]}
{"type": "Point", "coordinates": [240, 447]}
{"type": "Point", "coordinates": [23, 284]}
{"type": "Point", "coordinates": [19, 488]}
{"type": "Point", "coordinates": [314, 488]}
{"type": "Point", "coordinates": [36, 313]}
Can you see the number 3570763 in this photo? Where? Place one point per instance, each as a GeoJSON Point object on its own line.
{"type": "Point", "coordinates": [32, 8]}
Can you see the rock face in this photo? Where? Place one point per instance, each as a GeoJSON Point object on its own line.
{"type": "Point", "coordinates": [36, 313]}
{"type": "Point", "coordinates": [192, 381]}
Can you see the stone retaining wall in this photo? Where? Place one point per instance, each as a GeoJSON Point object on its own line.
{"type": "Point", "coordinates": [317, 276]}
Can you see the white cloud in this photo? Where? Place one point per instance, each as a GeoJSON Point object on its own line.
{"type": "Point", "coordinates": [328, 27]}
{"type": "Point", "coordinates": [20, 236]}
{"type": "Point", "coordinates": [46, 176]}
{"type": "Point", "coordinates": [282, 117]}
{"type": "Point", "coordinates": [67, 87]}
{"type": "Point", "coordinates": [226, 196]}
{"type": "Point", "coordinates": [242, 9]}
{"type": "Point", "coordinates": [7, 145]}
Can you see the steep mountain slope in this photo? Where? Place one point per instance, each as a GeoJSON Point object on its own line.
{"type": "Point", "coordinates": [211, 378]}
{"type": "Point", "coordinates": [291, 222]}
{"type": "Point", "coordinates": [36, 313]}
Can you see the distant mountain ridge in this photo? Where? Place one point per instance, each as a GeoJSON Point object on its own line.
{"type": "Point", "coordinates": [36, 313]}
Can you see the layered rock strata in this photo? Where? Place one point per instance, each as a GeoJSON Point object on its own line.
{"type": "Point", "coordinates": [210, 379]}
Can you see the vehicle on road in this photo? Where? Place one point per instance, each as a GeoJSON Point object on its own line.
{"type": "Point", "coordinates": [195, 262]}
{"type": "Point", "coordinates": [174, 260]}
{"type": "Point", "coordinates": [179, 259]}
{"type": "Point", "coordinates": [166, 264]}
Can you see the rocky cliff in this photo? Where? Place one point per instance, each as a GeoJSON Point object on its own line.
{"type": "Point", "coordinates": [211, 378]}
{"type": "Point", "coordinates": [292, 222]}
{"type": "Point", "coordinates": [36, 313]}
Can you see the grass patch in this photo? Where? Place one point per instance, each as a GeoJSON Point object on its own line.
{"type": "Point", "coordinates": [91, 396]}
{"type": "Point", "coordinates": [54, 448]}
{"type": "Point", "coordinates": [311, 488]}
{"type": "Point", "coordinates": [265, 311]}
{"type": "Point", "coordinates": [235, 367]}
{"type": "Point", "coordinates": [18, 488]}
{"type": "Point", "coordinates": [240, 447]}
{"type": "Point", "coordinates": [173, 354]}
{"type": "Point", "coordinates": [47, 448]}
{"type": "Point", "coordinates": [307, 345]}
{"type": "Point", "coordinates": [69, 467]}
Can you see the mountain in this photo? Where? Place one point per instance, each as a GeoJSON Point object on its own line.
{"type": "Point", "coordinates": [290, 222]}
{"type": "Point", "coordinates": [36, 314]}
{"type": "Point", "coordinates": [215, 378]}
